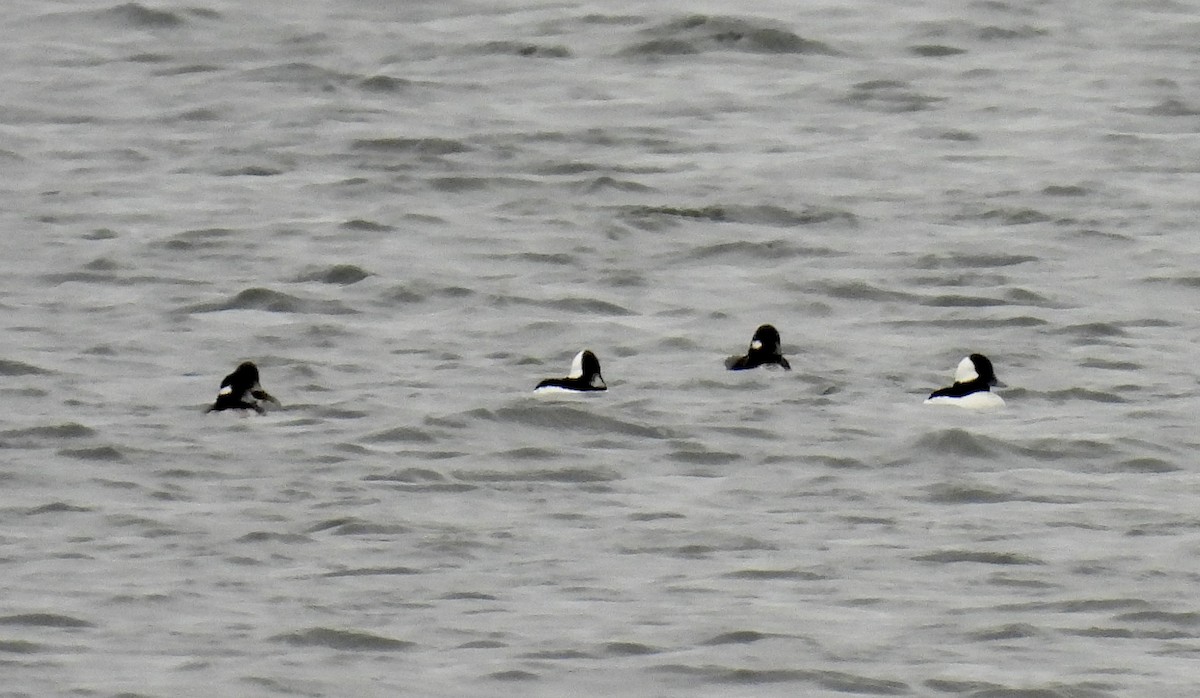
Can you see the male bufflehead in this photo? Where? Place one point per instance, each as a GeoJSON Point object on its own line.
{"type": "Point", "coordinates": [973, 380]}
{"type": "Point", "coordinates": [241, 390]}
{"type": "Point", "coordinates": [764, 349]}
{"type": "Point", "coordinates": [584, 376]}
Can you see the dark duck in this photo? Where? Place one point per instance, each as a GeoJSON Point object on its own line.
{"type": "Point", "coordinates": [764, 351]}
{"type": "Point", "coordinates": [241, 390]}
{"type": "Point", "coordinates": [584, 376]}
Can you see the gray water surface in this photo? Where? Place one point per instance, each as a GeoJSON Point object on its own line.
{"type": "Point", "coordinates": [408, 213]}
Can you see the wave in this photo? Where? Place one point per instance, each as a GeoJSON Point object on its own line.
{"type": "Point", "coordinates": [24, 647]}
{"type": "Point", "coordinates": [384, 83]}
{"type": "Point", "coordinates": [297, 73]}
{"type": "Point", "coordinates": [1146, 465]}
{"type": "Point", "coordinates": [628, 649]}
{"type": "Point", "coordinates": [967, 494]}
{"type": "Point", "coordinates": [971, 260]}
{"type": "Point", "coordinates": [703, 456]}
{"type": "Point", "coordinates": [340, 274]}
{"type": "Point", "coordinates": [45, 620]}
{"type": "Point", "coordinates": [762, 575]}
{"type": "Point", "coordinates": [58, 508]}
{"type": "Point", "coordinates": [889, 96]}
{"type": "Point", "coordinates": [9, 367]}
{"type": "Point", "coordinates": [768, 250]}
{"type": "Point", "coordinates": [574, 306]}
{"type": "Point", "coordinates": [33, 437]}
{"type": "Point", "coordinates": [513, 675]}
{"type": "Point", "coordinates": [559, 475]}
{"type": "Point", "coordinates": [272, 302]}
{"type": "Point", "coordinates": [200, 239]}
{"type": "Point", "coordinates": [1010, 297]}
{"type": "Point", "coordinates": [958, 300]}
{"type": "Point", "coordinates": [700, 33]}
{"type": "Point", "coordinates": [1084, 394]}
{"type": "Point", "coordinates": [959, 442]}
{"type": "Point", "coordinates": [412, 146]}
{"type": "Point", "coordinates": [962, 443]}
{"type": "Point", "coordinates": [344, 640]}
{"type": "Point", "coordinates": [419, 291]}
{"type": "Point", "coordinates": [400, 435]}
{"type": "Point", "coordinates": [836, 681]}
{"type": "Point", "coordinates": [362, 225]}
{"type": "Point", "coordinates": [982, 557]}
{"type": "Point", "coordinates": [651, 217]}
{"type": "Point", "coordinates": [252, 171]}
{"type": "Point", "coordinates": [108, 454]}
{"type": "Point", "coordinates": [560, 417]}
{"type": "Point", "coordinates": [861, 291]}
{"type": "Point", "coordinates": [415, 475]}
{"type": "Point", "coordinates": [606, 183]}
{"type": "Point", "coordinates": [935, 50]}
{"type": "Point", "coordinates": [1009, 216]}
{"type": "Point", "coordinates": [737, 637]}
{"type": "Point", "coordinates": [972, 32]}
{"type": "Point", "coordinates": [353, 526]}
{"type": "Point", "coordinates": [138, 16]}
{"type": "Point", "coordinates": [522, 49]}
{"type": "Point", "coordinates": [975, 322]}
{"type": "Point", "coordinates": [371, 572]}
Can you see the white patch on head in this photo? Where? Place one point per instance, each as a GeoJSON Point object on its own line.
{"type": "Point", "coordinates": [982, 400]}
{"type": "Point", "coordinates": [965, 372]}
{"type": "Point", "coordinates": [756, 344]}
{"type": "Point", "coordinates": [225, 390]}
{"type": "Point", "coordinates": [576, 366]}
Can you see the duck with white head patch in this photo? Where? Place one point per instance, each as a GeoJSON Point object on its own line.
{"type": "Point", "coordinates": [973, 382]}
{"type": "Point", "coordinates": [241, 390]}
{"type": "Point", "coordinates": [764, 351]}
{"type": "Point", "coordinates": [584, 377]}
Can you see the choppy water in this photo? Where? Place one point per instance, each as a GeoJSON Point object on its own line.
{"type": "Point", "coordinates": [410, 212]}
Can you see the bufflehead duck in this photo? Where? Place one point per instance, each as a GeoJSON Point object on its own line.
{"type": "Point", "coordinates": [973, 380]}
{"type": "Point", "coordinates": [241, 390]}
{"type": "Point", "coordinates": [584, 376]}
{"type": "Point", "coordinates": [764, 349]}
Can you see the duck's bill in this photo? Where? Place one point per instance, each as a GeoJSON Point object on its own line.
{"type": "Point", "coordinates": [263, 395]}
